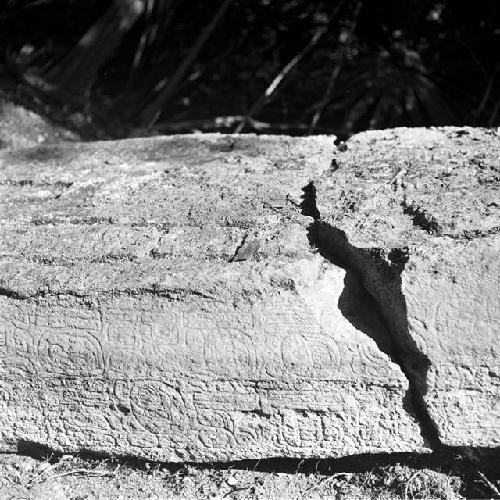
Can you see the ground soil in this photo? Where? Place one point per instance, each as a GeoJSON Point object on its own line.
{"type": "Point", "coordinates": [70, 477]}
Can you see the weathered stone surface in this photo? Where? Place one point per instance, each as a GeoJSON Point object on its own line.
{"type": "Point", "coordinates": [22, 128]}
{"type": "Point", "coordinates": [415, 213]}
{"type": "Point", "coordinates": [161, 298]}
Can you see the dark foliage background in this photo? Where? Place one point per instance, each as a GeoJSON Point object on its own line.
{"type": "Point", "coordinates": [290, 66]}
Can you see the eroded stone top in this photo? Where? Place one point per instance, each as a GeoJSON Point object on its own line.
{"type": "Point", "coordinates": [153, 213]}
{"type": "Point", "coordinates": [395, 188]}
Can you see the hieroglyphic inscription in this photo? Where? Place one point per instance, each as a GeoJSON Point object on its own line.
{"type": "Point", "coordinates": [176, 379]}
{"type": "Point", "coordinates": [264, 340]}
{"type": "Point", "coordinates": [70, 353]}
{"type": "Point", "coordinates": [158, 407]}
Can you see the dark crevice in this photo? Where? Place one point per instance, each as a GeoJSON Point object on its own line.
{"type": "Point", "coordinates": [473, 234]}
{"type": "Point", "coordinates": [240, 246]}
{"type": "Point", "coordinates": [246, 250]}
{"type": "Point", "coordinates": [308, 205]}
{"type": "Point", "coordinates": [421, 218]}
{"type": "Point", "coordinates": [33, 183]}
{"type": "Point", "coordinates": [11, 294]}
{"type": "Point", "coordinates": [172, 294]}
{"type": "Point", "coordinates": [340, 142]}
{"type": "Point", "coordinates": [358, 307]}
{"type": "Point", "coordinates": [111, 257]}
{"type": "Point", "coordinates": [243, 253]}
{"type": "Point", "coordinates": [51, 221]}
{"type": "Point", "coordinates": [379, 274]}
{"type": "Point", "coordinates": [381, 278]}
{"type": "Point", "coordinates": [155, 254]}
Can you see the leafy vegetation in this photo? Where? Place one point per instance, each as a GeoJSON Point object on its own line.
{"type": "Point", "coordinates": [295, 66]}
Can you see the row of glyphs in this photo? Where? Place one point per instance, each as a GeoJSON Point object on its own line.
{"type": "Point", "coordinates": [266, 340]}
{"type": "Point", "coordinates": [284, 341]}
{"type": "Point", "coordinates": [154, 414]}
{"type": "Point", "coordinates": [70, 353]}
{"type": "Point", "coordinates": [233, 354]}
{"type": "Point", "coordinates": [160, 409]}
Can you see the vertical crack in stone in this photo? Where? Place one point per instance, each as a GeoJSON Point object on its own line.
{"type": "Point", "coordinates": [239, 249]}
{"type": "Point", "coordinates": [379, 273]}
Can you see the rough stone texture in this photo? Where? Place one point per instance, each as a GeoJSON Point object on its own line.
{"type": "Point", "coordinates": [22, 128]}
{"type": "Point", "coordinates": [163, 298]}
{"type": "Point", "coordinates": [415, 213]}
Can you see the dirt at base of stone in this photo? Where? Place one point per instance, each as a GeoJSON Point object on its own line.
{"type": "Point", "coordinates": [71, 477]}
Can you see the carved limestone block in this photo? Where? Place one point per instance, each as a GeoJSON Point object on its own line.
{"type": "Point", "coordinates": [128, 327]}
